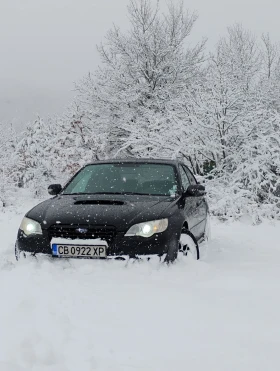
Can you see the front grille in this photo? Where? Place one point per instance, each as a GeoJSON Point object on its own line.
{"type": "Point", "coordinates": [85, 232]}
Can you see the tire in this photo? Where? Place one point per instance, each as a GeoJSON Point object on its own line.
{"type": "Point", "coordinates": [172, 252]}
{"type": "Point", "coordinates": [188, 245]}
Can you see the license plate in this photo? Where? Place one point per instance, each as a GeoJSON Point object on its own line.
{"type": "Point", "coordinates": [84, 251]}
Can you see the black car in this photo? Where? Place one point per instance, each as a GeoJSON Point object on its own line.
{"type": "Point", "coordinates": [120, 208]}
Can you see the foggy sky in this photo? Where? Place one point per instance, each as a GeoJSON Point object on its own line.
{"type": "Point", "coordinates": [46, 45]}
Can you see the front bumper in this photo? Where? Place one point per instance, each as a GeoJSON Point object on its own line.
{"type": "Point", "coordinates": [119, 246]}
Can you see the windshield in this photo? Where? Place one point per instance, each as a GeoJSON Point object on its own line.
{"type": "Point", "coordinates": [124, 178]}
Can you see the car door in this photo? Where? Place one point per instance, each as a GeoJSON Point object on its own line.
{"type": "Point", "coordinates": [201, 205]}
{"type": "Point", "coordinates": [189, 204]}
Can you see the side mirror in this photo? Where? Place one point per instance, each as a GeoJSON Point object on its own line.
{"type": "Point", "coordinates": [195, 190]}
{"type": "Point", "coordinates": [54, 189]}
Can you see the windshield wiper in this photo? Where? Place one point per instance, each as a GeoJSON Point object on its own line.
{"type": "Point", "coordinates": [119, 193]}
{"type": "Point", "coordinates": [77, 193]}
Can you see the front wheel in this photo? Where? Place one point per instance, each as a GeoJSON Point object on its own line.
{"type": "Point", "coordinates": [188, 245]}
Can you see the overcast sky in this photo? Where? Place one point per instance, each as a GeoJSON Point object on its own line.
{"type": "Point", "coordinates": [46, 45]}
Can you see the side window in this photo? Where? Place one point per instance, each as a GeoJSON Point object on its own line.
{"type": "Point", "coordinates": [185, 179]}
{"type": "Point", "coordinates": [190, 176]}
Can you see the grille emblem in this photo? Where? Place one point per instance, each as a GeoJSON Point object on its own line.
{"type": "Point", "coordinates": [82, 230]}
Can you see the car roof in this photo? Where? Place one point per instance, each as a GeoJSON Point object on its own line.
{"type": "Point", "coordinates": [137, 160]}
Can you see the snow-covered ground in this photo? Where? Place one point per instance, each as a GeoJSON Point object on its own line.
{"type": "Point", "coordinates": [219, 314]}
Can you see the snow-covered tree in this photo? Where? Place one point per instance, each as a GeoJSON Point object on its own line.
{"type": "Point", "coordinates": [249, 180]}
{"type": "Point", "coordinates": [7, 162]}
{"type": "Point", "coordinates": [76, 141]}
{"type": "Point", "coordinates": [218, 109]}
{"type": "Point", "coordinates": [144, 72]}
{"type": "Point", "coordinates": [33, 155]}
{"type": "Point", "coordinates": [230, 127]}
{"type": "Point", "coordinates": [270, 79]}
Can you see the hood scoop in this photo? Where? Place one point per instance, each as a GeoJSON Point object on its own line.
{"type": "Point", "coordinates": [99, 202]}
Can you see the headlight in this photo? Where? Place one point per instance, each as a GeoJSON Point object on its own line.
{"type": "Point", "coordinates": [147, 229]}
{"type": "Point", "coordinates": [29, 226]}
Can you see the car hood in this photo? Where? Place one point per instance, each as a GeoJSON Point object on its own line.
{"type": "Point", "coordinates": [120, 211]}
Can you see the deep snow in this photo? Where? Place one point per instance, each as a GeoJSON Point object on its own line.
{"type": "Point", "coordinates": [218, 314]}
